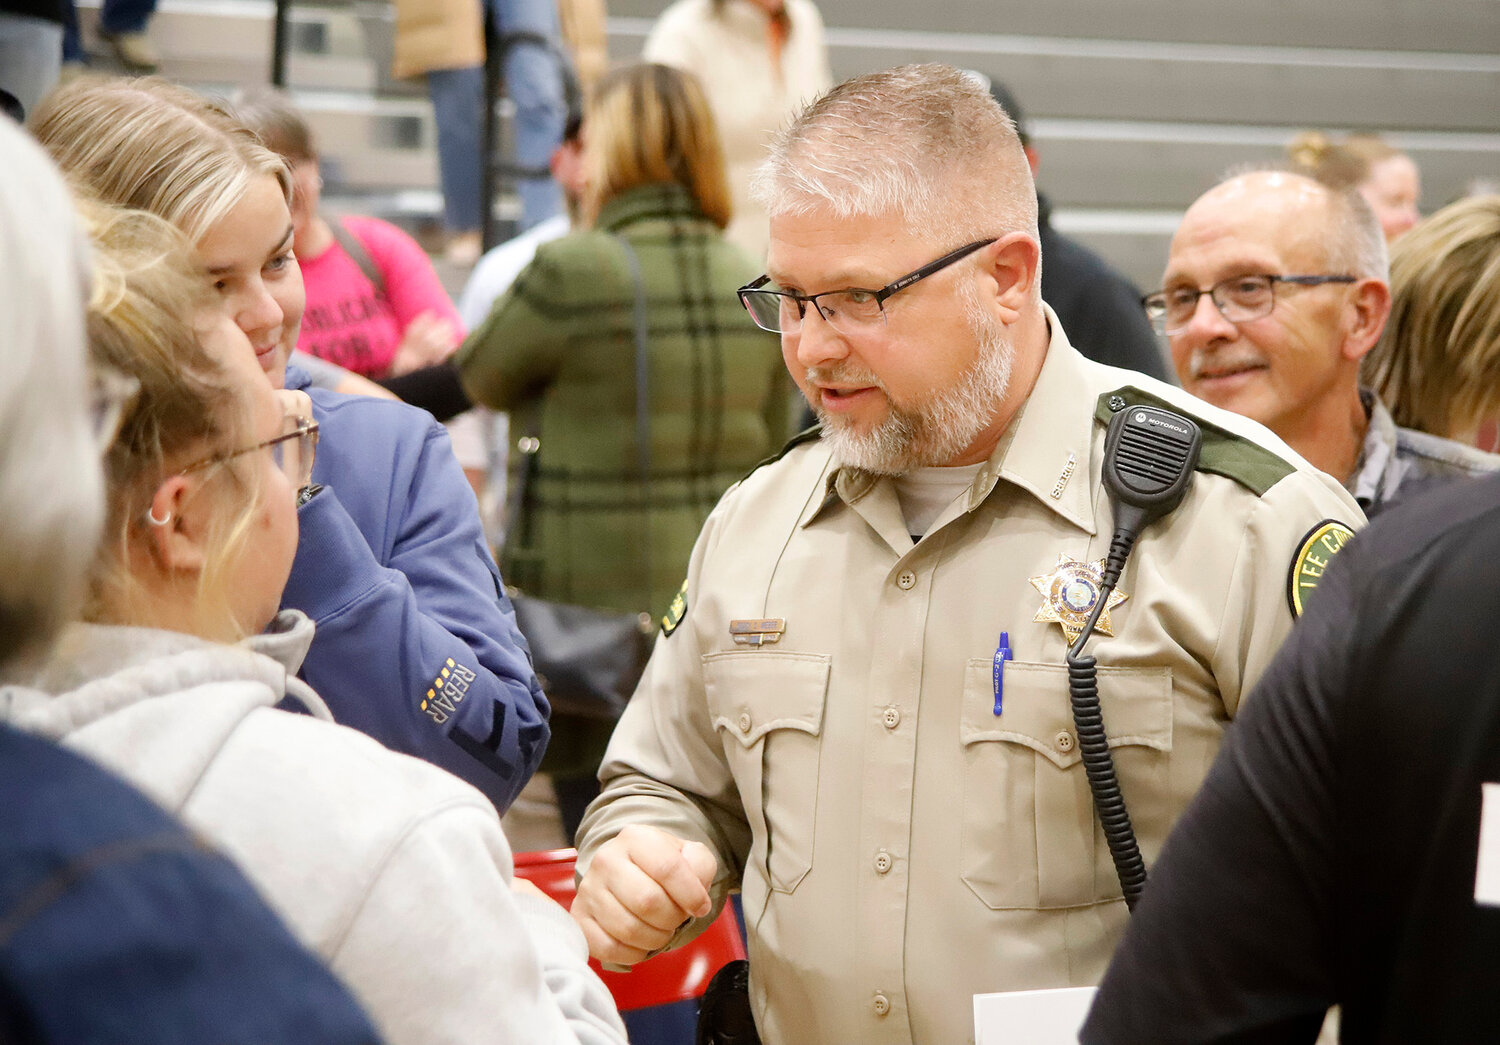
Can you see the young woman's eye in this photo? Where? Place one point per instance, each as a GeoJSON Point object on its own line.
{"type": "Point", "coordinates": [279, 262]}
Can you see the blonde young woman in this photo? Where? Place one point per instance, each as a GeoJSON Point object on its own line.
{"type": "Point", "coordinates": [416, 644]}
{"type": "Point", "coordinates": [1437, 363]}
{"type": "Point", "coordinates": [394, 872]}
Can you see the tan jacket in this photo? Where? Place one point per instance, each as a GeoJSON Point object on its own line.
{"type": "Point", "coordinates": [437, 34]}
{"type": "Point", "coordinates": [900, 846]}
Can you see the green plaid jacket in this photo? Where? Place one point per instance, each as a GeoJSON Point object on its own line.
{"type": "Point", "coordinates": [558, 352]}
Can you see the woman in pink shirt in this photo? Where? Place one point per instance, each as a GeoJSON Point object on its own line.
{"type": "Point", "coordinates": [375, 305]}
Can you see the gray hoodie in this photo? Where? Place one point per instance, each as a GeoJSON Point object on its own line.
{"type": "Point", "coordinates": [395, 872]}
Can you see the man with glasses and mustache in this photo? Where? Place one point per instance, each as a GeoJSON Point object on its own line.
{"type": "Point", "coordinates": [1275, 289]}
{"type": "Point", "coordinates": [858, 711]}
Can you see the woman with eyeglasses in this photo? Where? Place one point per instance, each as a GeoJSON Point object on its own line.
{"type": "Point", "coordinates": [392, 563]}
{"type": "Point", "coordinates": [394, 872]}
{"type": "Point", "coordinates": [643, 396]}
{"type": "Point", "coordinates": [116, 924]}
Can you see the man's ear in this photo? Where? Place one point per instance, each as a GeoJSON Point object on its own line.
{"type": "Point", "coordinates": [1013, 262]}
{"type": "Point", "coordinates": [177, 524]}
{"type": "Point", "coordinates": [1368, 309]}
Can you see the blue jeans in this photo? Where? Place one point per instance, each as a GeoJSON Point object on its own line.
{"type": "Point", "coordinates": [534, 84]}
{"type": "Point", "coordinates": [116, 16]}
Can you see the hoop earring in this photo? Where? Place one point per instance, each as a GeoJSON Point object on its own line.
{"type": "Point", "coordinates": [151, 517]}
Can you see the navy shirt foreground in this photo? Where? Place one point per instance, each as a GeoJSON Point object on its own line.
{"type": "Point", "coordinates": [1330, 856]}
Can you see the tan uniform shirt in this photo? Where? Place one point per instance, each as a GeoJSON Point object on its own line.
{"type": "Point", "coordinates": [900, 846]}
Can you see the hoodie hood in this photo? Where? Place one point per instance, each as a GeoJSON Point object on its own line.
{"type": "Point", "coordinates": [155, 705]}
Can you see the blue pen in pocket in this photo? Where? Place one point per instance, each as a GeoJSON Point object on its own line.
{"type": "Point", "coordinates": [1002, 654]}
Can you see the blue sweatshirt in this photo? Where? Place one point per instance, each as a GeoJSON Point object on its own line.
{"type": "Point", "coordinates": [416, 643]}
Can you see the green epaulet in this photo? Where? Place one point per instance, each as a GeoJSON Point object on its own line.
{"type": "Point", "coordinates": [1224, 453]}
{"type": "Point", "coordinates": [807, 435]}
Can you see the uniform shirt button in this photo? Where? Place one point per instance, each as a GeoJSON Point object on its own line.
{"type": "Point", "coordinates": [744, 721]}
{"type": "Point", "coordinates": [906, 580]}
{"type": "Point", "coordinates": [1063, 740]}
{"type": "Point", "coordinates": [882, 862]}
{"type": "Point", "coordinates": [891, 717]}
{"type": "Point", "coordinates": [882, 1005]}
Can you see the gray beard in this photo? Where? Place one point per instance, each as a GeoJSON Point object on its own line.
{"type": "Point", "coordinates": [933, 431]}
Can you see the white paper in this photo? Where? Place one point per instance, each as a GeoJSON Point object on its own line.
{"type": "Point", "coordinates": [1487, 874]}
{"type": "Point", "coordinates": [1051, 1017]}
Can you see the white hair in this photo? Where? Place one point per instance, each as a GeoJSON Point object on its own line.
{"type": "Point", "coordinates": [51, 489]}
{"type": "Point", "coordinates": [926, 142]}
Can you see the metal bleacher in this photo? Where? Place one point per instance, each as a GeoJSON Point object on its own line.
{"type": "Point", "coordinates": [1135, 108]}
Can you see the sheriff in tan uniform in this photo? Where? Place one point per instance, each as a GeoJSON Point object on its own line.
{"type": "Point", "coordinates": [820, 716]}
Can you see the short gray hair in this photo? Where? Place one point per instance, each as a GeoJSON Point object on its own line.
{"type": "Point", "coordinates": [1355, 242]}
{"type": "Point", "coordinates": [51, 496]}
{"type": "Point", "coordinates": [925, 142]}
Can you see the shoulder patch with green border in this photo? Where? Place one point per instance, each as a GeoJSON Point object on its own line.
{"type": "Point", "coordinates": [1314, 554]}
{"type": "Point", "coordinates": [675, 612]}
{"type": "Point", "coordinates": [1224, 453]}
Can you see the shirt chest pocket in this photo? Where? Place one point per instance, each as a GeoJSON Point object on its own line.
{"type": "Point", "coordinates": [767, 707]}
{"type": "Point", "coordinates": [1030, 836]}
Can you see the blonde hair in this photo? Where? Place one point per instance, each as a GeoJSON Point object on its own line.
{"type": "Point", "coordinates": [50, 490]}
{"type": "Point", "coordinates": [1437, 364]}
{"type": "Point", "coordinates": [154, 146]}
{"type": "Point", "coordinates": [148, 295]}
{"type": "Point", "coordinates": [925, 142]}
{"type": "Point", "coordinates": [1339, 165]}
{"type": "Point", "coordinates": [650, 124]}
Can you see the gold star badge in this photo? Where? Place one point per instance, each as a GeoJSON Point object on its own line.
{"type": "Point", "coordinates": [1069, 594]}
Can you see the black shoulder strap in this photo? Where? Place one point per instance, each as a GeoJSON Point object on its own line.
{"type": "Point", "coordinates": [356, 250]}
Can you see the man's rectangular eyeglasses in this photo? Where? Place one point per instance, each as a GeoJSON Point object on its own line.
{"type": "Point", "coordinates": [293, 451]}
{"type": "Point", "coordinates": [1238, 299]}
{"type": "Point", "coordinates": [847, 311]}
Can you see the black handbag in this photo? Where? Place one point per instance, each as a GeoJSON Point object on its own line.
{"type": "Point", "coordinates": [588, 660]}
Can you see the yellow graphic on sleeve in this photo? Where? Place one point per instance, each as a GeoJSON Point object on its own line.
{"type": "Point", "coordinates": [1314, 554]}
{"type": "Point", "coordinates": [447, 691]}
{"type": "Point", "coordinates": [675, 612]}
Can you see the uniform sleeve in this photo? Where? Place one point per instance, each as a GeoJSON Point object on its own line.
{"type": "Point", "coordinates": [443, 950]}
{"type": "Point", "coordinates": [412, 285]}
{"type": "Point", "coordinates": [516, 351]}
{"type": "Point", "coordinates": [1253, 859]}
{"type": "Point", "coordinates": [665, 765]}
{"type": "Point", "coordinates": [419, 648]}
{"type": "Point", "coordinates": [1258, 612]}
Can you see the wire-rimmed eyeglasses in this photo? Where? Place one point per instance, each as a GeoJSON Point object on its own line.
{"type": "Point", "coordinates": [293, 451]}
{"type": "Point", "coordinates": [1239, 299]}
{"type": "Point", "coordinates": [849, 310]}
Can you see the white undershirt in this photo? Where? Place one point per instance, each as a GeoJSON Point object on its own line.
{"type": "Point", "coordinates": [925, 492]}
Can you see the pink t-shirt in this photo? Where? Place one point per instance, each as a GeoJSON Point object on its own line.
{"type": "Point", "coordinates": [348, 321]}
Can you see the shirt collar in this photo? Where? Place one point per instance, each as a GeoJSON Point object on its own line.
{"type": "Point", "coordinates": [1045, 451]}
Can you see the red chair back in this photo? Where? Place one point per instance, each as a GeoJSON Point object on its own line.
{"type": "Point", "coordinates": [676, 975]}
